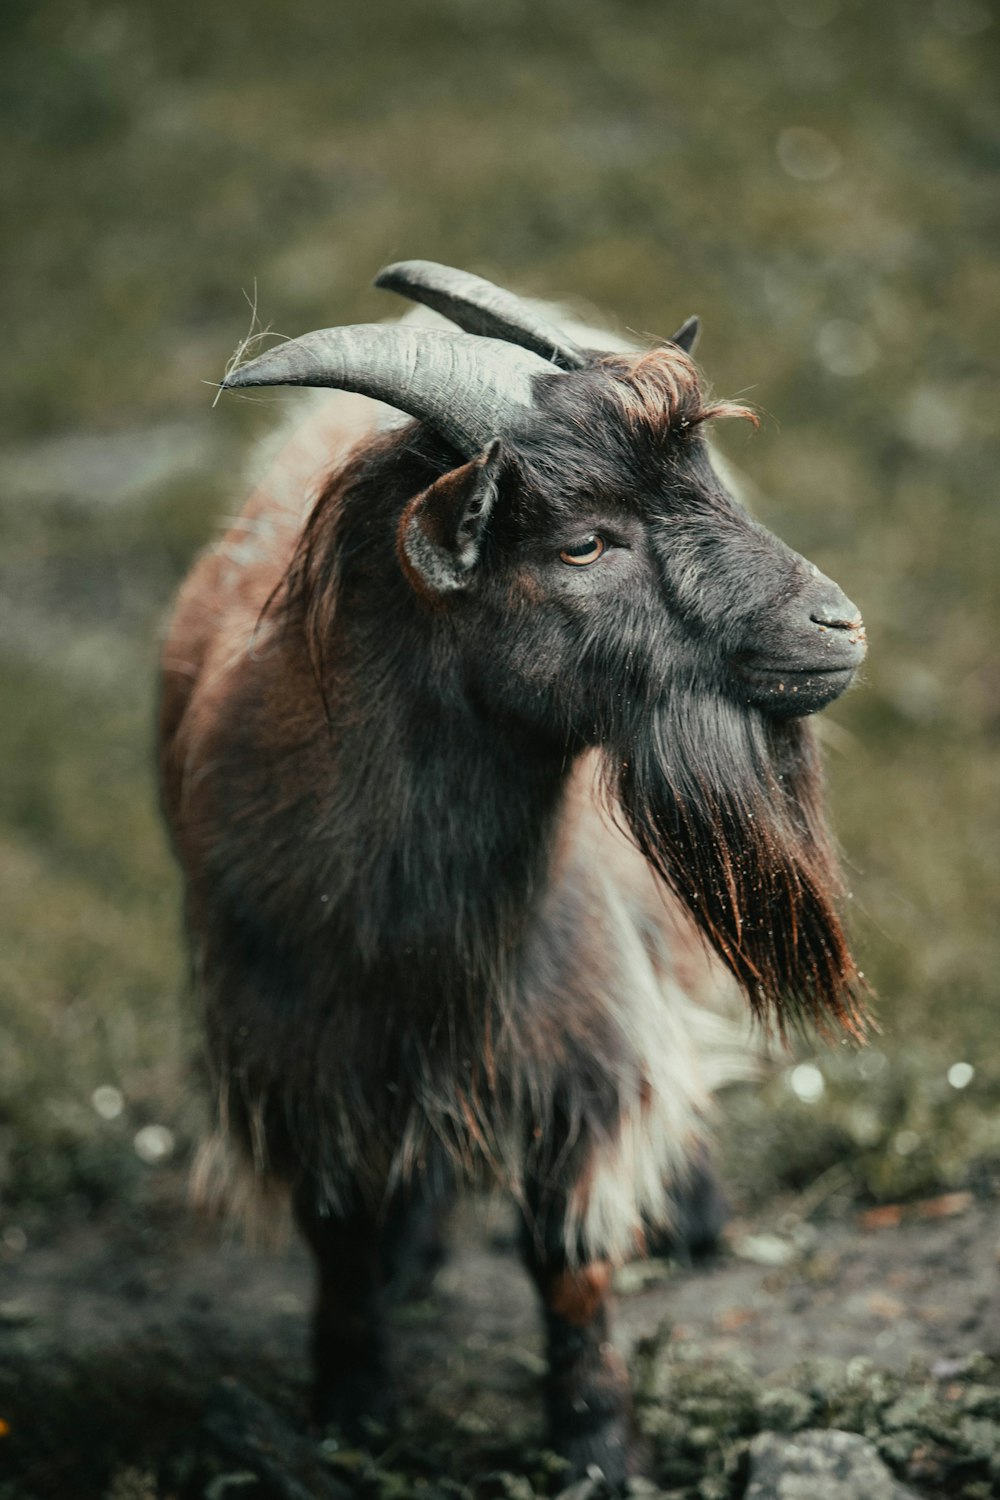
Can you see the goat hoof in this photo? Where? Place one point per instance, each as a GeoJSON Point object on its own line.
{"type": "Point", "coordinates": [356, 1404]}
{"type": "Point", "coordinates": [610, 1452]}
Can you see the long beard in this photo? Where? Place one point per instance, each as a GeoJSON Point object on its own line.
{"type": "Point", "coordinates": [726, 804]}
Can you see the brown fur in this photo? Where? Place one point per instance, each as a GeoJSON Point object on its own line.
{"type": "Point", "coordinates": [661, 390]}
{"type": "Point", "coordinates": [576, 1294]}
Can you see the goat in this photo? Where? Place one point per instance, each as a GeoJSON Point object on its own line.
{"type": "Point", "coordinates": [469, 757]}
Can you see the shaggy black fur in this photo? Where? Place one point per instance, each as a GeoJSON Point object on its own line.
{"type": "Point", "coordinates": [407, 952]}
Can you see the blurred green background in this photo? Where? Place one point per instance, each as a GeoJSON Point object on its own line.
{"type": "Point", "coordinates": [817, 178]}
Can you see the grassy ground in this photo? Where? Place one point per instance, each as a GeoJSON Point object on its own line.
{"type": "Point", "coordinates": [817, 178]}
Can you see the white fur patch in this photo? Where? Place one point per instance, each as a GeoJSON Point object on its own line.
{"type": "Point", "coordinates": [687, 1053]}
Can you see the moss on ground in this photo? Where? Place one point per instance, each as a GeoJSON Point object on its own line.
{"type": "Point", "coordinates": [937, 1430]}
{"type": "Point", "coordinates": [183, 1439]}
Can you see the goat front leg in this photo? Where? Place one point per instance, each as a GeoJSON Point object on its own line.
{"type": "Point", "coordinates": [587, 1396]}
{"type": "Point", "coordinates": [351, 1381]}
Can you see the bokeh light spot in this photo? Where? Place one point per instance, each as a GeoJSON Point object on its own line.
{"type": "Point", "coordinates": [153, 1143]}
{"type": "Point", "coordinates": [806, 154]}
{"type": "Point", "coordinates": [807, 1083]}
{"type": "Point", "coordinates": [108, 1101]}
{"type": "Point", "coordinates": [845, 348]}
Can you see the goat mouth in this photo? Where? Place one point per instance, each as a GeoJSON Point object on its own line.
{"type": "Point", "coordinates": [793, 691]}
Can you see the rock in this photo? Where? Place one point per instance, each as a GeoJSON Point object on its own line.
{"type": "Point", "coordinates": [763, 1249]}
{"type": "Point", "coordinates": [17, 1313]}
{"type": "Point", "coordinates": [834, 1465]}
{"type": "Point", "coordinates": [784, 1409]}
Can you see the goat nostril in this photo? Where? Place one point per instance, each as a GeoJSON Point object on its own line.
{"type": "Point", "coordinates": [828, 606]}
{"type": "Point", "coordinates": [834, 620]}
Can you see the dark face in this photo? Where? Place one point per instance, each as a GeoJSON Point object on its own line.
{"type": "Point", "coordinates": [586, 579]}
{"type": "Point", "coordinates": [603, 588]}
{"type": "Point", "coordinates": [647, 579]}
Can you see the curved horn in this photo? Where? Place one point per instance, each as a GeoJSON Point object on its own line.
{"type": "Point", "coordinates": [481, 308]}
{"type": "Point", "coordinates": [470, 389]}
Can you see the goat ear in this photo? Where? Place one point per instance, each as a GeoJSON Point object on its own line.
{"type": "Point", "coordinates": [441, 530]}
{"type": "Point", "coordinates": [687, 334]}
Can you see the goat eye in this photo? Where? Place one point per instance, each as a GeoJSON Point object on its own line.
{"type": "Point", "coordinates": [585, 551]}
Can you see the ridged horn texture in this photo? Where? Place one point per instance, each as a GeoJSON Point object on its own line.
{"type": "Point", "coordinates": [482, 308]}
{"type": "Point", "coordinates": [470, 390]}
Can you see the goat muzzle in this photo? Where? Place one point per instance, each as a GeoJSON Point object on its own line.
{"type": "Point", "coordinates": [810, 658]}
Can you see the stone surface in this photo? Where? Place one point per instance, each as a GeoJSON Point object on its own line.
{"type": "Point", "coordinates": [829, 1464]}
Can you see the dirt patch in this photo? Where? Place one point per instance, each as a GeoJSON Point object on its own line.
{"type": "Point", "coordinates": [119, 1337]}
